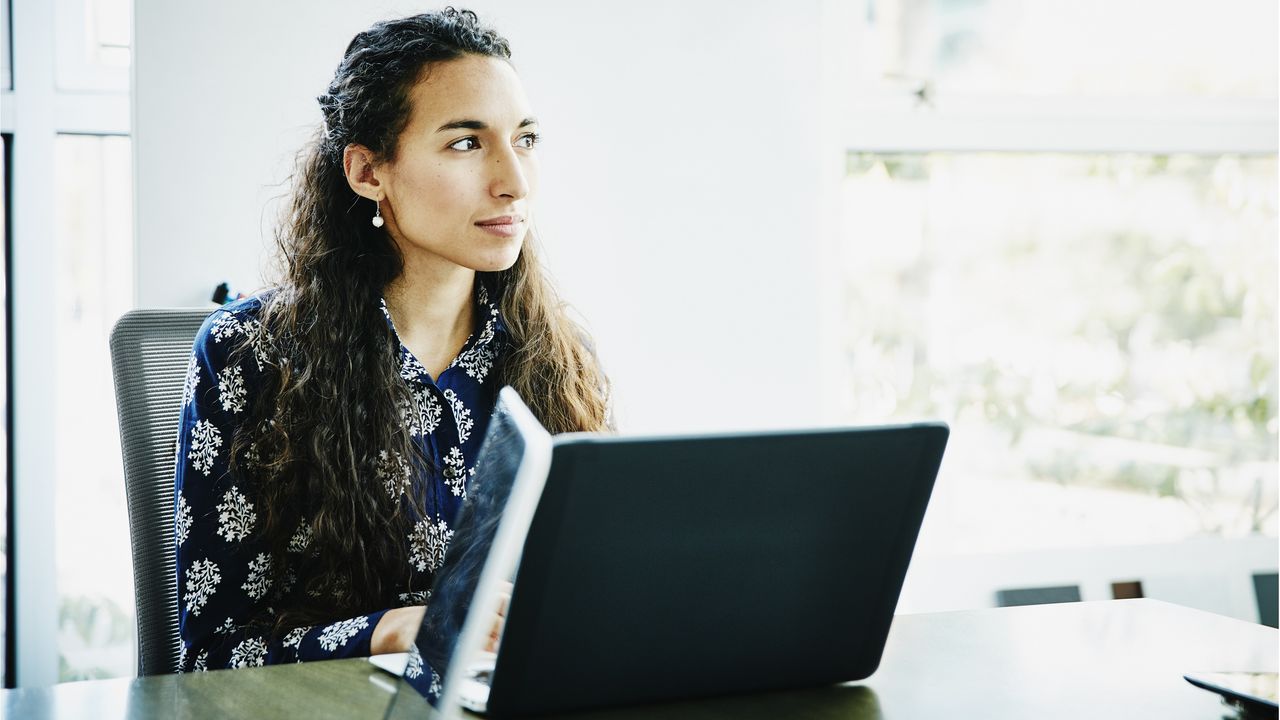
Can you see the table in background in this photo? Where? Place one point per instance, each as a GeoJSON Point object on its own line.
{"type": "Point", "coordinates": [1117, 659]}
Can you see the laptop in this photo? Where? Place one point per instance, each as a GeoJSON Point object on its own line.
{"type": "Point", "coordinates": [511, 468]}
{"type": "Point", "coordinates": [659, 568]}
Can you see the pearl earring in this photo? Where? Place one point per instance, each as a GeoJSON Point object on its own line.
{"type": "Point", "coordinates": [377, 215]}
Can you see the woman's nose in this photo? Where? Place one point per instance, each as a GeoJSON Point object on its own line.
{"type": "Point", "coordinates": [508, 176]}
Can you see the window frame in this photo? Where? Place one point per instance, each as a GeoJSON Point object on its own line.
{"type": "Point", "coordinates": [33, 113]}
{"type": "Point", "coordinates": [903, 123]}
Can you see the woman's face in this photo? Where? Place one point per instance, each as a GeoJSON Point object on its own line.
{"type": "Point", "coordinates": [462, 186]}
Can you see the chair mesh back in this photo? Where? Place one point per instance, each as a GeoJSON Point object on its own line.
{"type": "Point", "coordinates": [149, 354]}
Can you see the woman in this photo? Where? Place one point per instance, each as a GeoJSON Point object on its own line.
{"type": "Point", "coordinates": [330, 424]}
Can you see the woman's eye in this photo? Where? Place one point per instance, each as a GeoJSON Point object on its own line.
{"type": "Point", "coordinates": [528, 140]}
{"type": "Point", "coordinates": [466, 143]}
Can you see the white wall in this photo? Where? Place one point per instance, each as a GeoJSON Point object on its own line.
{"type": "Point", "coordinates": [683, 177]}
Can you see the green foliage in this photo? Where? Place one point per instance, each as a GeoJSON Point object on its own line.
{"type": "Point", "coordinates": [1089, 314]}
{"type": "Point", "coordinates": [87, 623]}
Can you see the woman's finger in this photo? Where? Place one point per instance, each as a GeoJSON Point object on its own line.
{"type": "Point", "coordinates": [504, 598]}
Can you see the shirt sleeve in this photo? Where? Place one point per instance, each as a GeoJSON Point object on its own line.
{"type": "Point", "coordinates": [225, 579]}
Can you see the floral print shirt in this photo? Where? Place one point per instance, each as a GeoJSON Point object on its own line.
{"type": "Point", "coordinates": [223, 563]}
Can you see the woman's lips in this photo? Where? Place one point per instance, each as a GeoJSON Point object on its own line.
{"type": "Point", "coordinates": [505, 226]}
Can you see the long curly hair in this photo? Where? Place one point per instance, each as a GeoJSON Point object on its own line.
{"type": "Point", "coordinates": [330, 417]}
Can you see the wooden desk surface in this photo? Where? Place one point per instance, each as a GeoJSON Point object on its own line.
{"type": "Point", "coordinates": [1118, 659]}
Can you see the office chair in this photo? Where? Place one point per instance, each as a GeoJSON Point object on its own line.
{"type": "Point", "coordinates": [149, 354]}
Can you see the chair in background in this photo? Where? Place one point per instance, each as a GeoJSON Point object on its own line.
{"type": "Point", "coordinates": [149, 354]}
{"type": "Point", "coordinates": [1265, 592]}
{"type": "Point", "coordinates": [1012, 597]}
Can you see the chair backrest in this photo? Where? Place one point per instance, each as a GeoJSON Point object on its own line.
{"type": "Point", "coordinates": [149, 354]}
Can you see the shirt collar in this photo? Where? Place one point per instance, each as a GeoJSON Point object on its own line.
{"type": "Point", "coordinates": [485, 295]}
{"type": "Point", "coordinates": [488, 292]}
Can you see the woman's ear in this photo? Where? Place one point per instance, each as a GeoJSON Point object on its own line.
{"type": "Point", "coordinates": [359, 164]}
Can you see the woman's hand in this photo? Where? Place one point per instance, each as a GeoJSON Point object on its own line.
{"type": "Point", "coordinates": [397, 630]}
{"type": "Point", "coordinates": [499, 620]}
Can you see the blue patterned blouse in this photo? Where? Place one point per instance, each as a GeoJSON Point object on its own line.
{"type": "Point", "coordinates": [223, 563]}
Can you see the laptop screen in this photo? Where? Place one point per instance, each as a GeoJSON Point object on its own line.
{"type": "Point", "coordinates": [477, 525]}
{"type": "Point", "coordinates": [512, 455]}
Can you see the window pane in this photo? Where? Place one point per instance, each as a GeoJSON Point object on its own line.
{"type": "Point", "coordinates": [93, 39]}
{"type": "Point", "coordinates": [94, 236]}
{"type": "Point", "coordinates": [6, 45]}
{"type": "Point", "coordinates": [1083, 48]}
{"type": "Point", "coordinates": [4, 403]}
{"type": "Point", "coordinates": [111, 35]}
{"type": "Point", "coordinates": [1099, 329]}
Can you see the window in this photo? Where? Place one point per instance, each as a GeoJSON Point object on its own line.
{"type": "Point", "coordinates": [6, 51]}
{"type": "Point", "coordinates": [71, 259]}
{"type": "Point", "coordinates": [1100, 330]}
{"type": "Point", "coordinates": [1059, 235]}
{"type": "Point", "coordinates": [93, 39]}
{"type": "Point", "coordinates": [6, 556]}
{"type": "Point", "coordinates": [94, 256]}
{"type": "Point", "coordinates": [1088, 48]}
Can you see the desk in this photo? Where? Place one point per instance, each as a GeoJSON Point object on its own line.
{"type": "Point", "coordinates": [1117, 659]}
